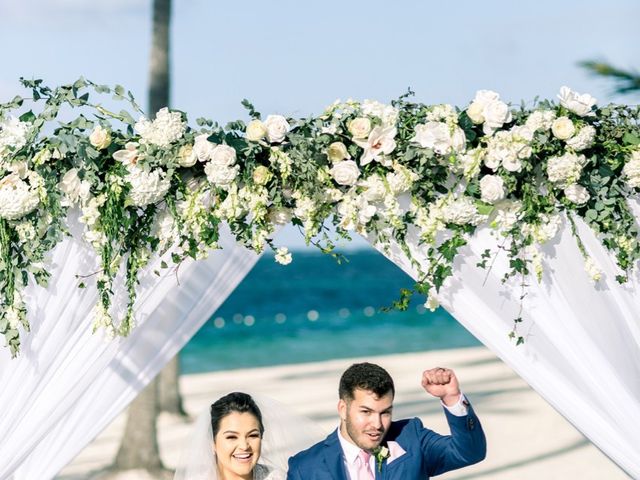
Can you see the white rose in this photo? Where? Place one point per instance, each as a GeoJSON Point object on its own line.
{"type": "Point", "coordinates": [203, 147]}
{"type": "Point", "coordinates": [375, 188]}
{"type": "Point", "coordinates": [187, 156]}
{"type": "Point", "coordinates": [221, 176]}
{"type": "Point", "coordinates": [100, 137]}
{"type": "Point", "coordinates": [345, 172]}
{"type": "Point", "coordinates": [70, 183]}
{"type": "Point", "coordinates": [337, 151]}
{"type": "Point", "coordinates": [496, 114]}
{"type": "Point", "coordinates": [256, 131]}
{"type": "Point", "coordinates": [84, 191]}
{"type": "Point", "coordinates": [485, 97]}
{"type": "Point", "coordinates": [277, 128]}
{"type": "Point", "coordinates": [577, 194]}
{"type": "Point", "coordinates": [223, 156]}
{"type": "Point", "coordinates": [492, 188]}
{"type": "Point", "coordinates": [512, 164]}
{"type": "Point", "coordinates": [579, 104]}
{"type": "Point", "coordinates": [563, 128]}
{"type": "Point", "coordinates": [440, 137]}
{"type": "Point", "coordinates": [360, 127]}
{"type": "Point", "coordinates": [474, 111]}
{"type": "Point", "coordinates": [261, 175]}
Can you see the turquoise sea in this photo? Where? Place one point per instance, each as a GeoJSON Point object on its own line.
{"type": "Point", "coordinates": [316, 309]}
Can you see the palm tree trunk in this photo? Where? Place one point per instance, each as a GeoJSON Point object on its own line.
{"type": "Point", "coordinates": [139, 444]}
{"type": "Point", "coordinates": [159, 72]}
{"type": "Point", "coordinates": [169, 398]}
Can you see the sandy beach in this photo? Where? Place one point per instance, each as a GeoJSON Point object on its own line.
{"type": "Point", "coordinates": [527, 439]}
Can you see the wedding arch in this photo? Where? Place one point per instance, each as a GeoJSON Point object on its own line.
{"type": "Point", "coordinates": [522, 222]}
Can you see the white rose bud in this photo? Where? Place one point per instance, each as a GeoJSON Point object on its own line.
{"type": "Point", "coordinates": [187, 156]}
{"type": "Point", "coordinates": [492, 188]}
{"type": "Point", "coordinates": [345, 172]}
{"type": "Point", "coordinates": [261, 175]}
{"type": "Point", "coordinates": [100, 137]}
{"type": "Point", "coordinates": [360, 127]}
{"type": "Point", "coordinates": [277, 128]}
{"type": "Point", "coordinates": [474, 112]}
{"type": "Point", "coordinates": [223, 156]}
{"type": "Point", "coordinates": [577, 194]}
{"type": "Point", "coordinates": [337, 151]}
{"type": "Point", "coordinates": [563, 128]}
{"type": "Point", "coordinates": [256, 131]}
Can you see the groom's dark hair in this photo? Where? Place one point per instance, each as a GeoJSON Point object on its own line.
{"type": "Point", "coordinates": [366, 376]}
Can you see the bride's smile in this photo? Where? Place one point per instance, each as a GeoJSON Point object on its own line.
{"type": "Point", "coordinates": [237, 445]}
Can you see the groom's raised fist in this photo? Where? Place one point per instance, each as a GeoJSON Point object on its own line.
{"type": "Point", "coordinates": [442, 383]}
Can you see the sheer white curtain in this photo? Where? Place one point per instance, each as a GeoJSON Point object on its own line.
{"type": "Point", "coordinates": [68, 384]}
{"type": "Point", "coordinates": [582, 348]}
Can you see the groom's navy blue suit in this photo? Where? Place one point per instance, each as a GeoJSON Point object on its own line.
{"type": "Point", "coordinates": [427, 453]}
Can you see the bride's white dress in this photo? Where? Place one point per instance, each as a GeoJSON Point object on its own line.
{"type": "Point", "coordinates": [262, 472]}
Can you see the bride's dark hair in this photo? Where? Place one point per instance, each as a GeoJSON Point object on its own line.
{"type": "Point", "coordinates": [234, 402]}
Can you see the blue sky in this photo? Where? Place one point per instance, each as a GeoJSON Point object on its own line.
{"type": "Point", "coordinates": [294, 58]}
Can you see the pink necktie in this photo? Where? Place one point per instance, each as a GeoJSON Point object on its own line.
{"type": "Point", "coordinates": [364, 469]}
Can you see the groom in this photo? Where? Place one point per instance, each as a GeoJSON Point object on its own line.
{"type": "Point", "coordinates": [368, 445]}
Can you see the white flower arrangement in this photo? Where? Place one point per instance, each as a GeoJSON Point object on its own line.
{"type": "Point", "coordinates": [368, 167]}
{"type": "Point", "coordinates": [165, 129]}
{"type": "Point", "coordinates": [19, 196]}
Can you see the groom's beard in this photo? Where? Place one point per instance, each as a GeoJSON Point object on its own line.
{"type": "Point", "coordinates": [362, 438]}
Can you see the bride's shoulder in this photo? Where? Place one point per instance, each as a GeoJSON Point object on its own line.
{"type": "Point", "coordinates": [262, 472]}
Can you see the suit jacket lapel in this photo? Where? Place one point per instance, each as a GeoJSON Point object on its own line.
{"type": "Point", "coordinates": [333, 457]}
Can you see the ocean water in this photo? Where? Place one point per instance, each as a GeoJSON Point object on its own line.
{"type": "Point", "coordinates": [316, 309]}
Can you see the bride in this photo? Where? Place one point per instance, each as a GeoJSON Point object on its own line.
{"type": "Point", "coordinates": [234, 441]}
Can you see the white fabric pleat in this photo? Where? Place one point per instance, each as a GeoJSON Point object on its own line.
{"type": "Point", "coordinates": [582, 340]}
{"type": "Point", "coordinates": [68, 384]}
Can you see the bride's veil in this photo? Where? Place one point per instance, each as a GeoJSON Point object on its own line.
{"type": "Point", "coordinates": [286, 433]}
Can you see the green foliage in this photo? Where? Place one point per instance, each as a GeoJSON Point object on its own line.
{"type": "Point", "coordinates": [363, 167]}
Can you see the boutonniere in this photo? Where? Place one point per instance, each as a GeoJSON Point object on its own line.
{"type": "Point", "coordinates": [381, 453]}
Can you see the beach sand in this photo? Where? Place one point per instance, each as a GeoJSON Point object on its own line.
{"type": "Point", "coordinates": [527, 439]}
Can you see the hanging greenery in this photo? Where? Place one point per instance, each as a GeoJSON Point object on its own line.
{"type": "Point", "coordinates": [149, 185]}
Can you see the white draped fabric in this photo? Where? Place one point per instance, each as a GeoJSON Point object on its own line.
{"type": "Point", "coordinates": [582, 349]}
{"type": "Point", "coordinates": [582, 341]}
{"type": "Point", "coordinates": [68, 384]}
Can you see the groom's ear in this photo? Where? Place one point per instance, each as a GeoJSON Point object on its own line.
{"type": "Point", "coordinates": [342, 409]}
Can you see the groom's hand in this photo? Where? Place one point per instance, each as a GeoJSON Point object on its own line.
{"type": "Point", "coordinates": [442, 383]}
